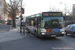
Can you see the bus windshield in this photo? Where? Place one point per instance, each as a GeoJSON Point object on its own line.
{"type": "Point", "coordinates": [53, 23]}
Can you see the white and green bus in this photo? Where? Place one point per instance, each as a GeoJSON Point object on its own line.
{"type": "Point", "coordinates": [45, 24]}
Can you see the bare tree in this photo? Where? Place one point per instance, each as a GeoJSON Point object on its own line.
{"type": "Point", "coordinates": [54, 9]}
{"type": "Point", "coordinates": [1, 8]}
{"type": "Point", "coordinates": [12, 9]}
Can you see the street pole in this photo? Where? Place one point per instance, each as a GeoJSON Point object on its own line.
{"type": "Point", "coordinates": [21, 19]}
{"type": "Point", "coordinates": [65, 12]}
{"type": "Point", "coordinates": [65, 15]}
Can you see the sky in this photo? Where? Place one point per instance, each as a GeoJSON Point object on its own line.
{"type": "Point", "coordinates": [37, 6]}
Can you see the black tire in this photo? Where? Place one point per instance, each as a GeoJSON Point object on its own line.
{"type": "Point", "coordinates": [74, 34]}
{"type": "Point", "coordinates": [36, 35]}
{"type": "Point", "coordinates": [53, 37]}
{"type": "Point", "coordinates": [65, 33]}
{"type": "Point", "coordinates": [28, 31]}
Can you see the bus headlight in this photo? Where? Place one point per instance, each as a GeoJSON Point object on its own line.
{"type": "Point", "coordinates": [43, 33]}
{"type": "Point", "coordinates": [63, 32]}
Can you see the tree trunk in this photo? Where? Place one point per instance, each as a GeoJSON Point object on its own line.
{"type": "Point", "coordinates": [14, 22]}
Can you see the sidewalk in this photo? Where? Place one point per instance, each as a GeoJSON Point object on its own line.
{"type": "Point", "coordinates": [13, 34]}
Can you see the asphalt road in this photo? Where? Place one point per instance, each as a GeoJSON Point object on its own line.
{"type": "Point", "coordinates": [30, 42]}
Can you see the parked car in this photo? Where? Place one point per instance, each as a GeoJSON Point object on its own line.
{"type": "Point", "coordinates": [70, 29]}
{"type": "Point", "coordinates": [8, 22]}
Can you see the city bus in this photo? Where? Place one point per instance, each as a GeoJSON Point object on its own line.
{"type": "Point", "coordinates": [45, 24]}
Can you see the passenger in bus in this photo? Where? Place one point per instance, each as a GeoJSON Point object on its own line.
{"type": "Point", "coordinates": [55, 23]}
{"type": "Point", "coordinates": [46, 25]}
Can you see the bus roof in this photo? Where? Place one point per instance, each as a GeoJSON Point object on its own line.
{"type": "Point", "coordinates": [47, 14]}
{"type": "Point", "coordinates": [35, 15]}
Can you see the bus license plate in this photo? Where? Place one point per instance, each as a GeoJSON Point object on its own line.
{"type": "Point", "coordinates": [53, 35]}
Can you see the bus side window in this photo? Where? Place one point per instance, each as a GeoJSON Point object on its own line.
{"type": "Point", "coordinates": [34, 24]}
{"type": "Point", "coordinates": [39, 24]}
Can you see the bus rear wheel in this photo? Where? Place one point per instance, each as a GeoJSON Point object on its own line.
{"type": "Point", "coordinates": [36, 35]}
{"type": "Point", "coordinates": [28, 31]}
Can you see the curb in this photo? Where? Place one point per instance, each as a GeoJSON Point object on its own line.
{"type": "Point", "coordinates": [4, 30]}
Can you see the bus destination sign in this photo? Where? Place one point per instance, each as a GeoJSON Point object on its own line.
{"type": "Point", "coordinates": [47, 14]}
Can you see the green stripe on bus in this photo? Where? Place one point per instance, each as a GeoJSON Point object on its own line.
{"type": "Point", "coordinates": [38, 30]}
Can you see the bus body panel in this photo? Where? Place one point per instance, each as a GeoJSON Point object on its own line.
{"type": "Point", "coordinates": [31, 29]}
{"type": "Point", "coordinates": [52, 34]}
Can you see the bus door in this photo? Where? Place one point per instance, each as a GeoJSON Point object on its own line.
{"type": "Point", "coordinates": [38, 24]}
{"type": "Point", "coordinates": [32, 25]}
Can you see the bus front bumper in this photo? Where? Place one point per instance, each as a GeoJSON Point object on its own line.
{"type": "Point", "coordinates": [51, 34]}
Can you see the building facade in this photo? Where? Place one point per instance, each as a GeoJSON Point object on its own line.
{"type": "Point", "coordinates": [2, 17]}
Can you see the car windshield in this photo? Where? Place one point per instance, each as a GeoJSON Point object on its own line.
{"type": "Point", "coordinates": [73, 27]}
